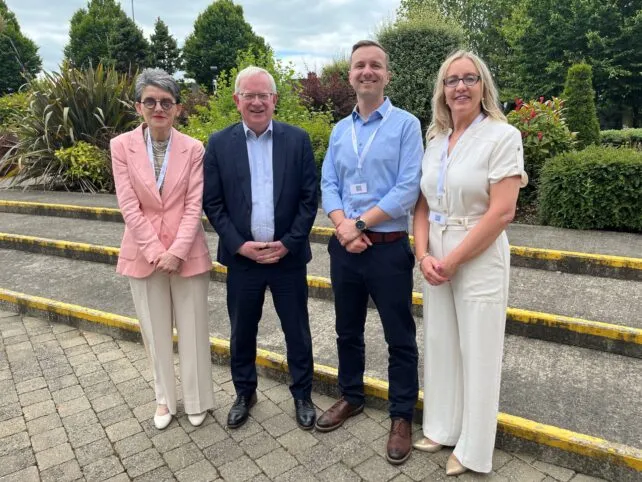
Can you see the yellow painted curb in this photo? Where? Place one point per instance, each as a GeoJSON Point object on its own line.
{"type": "Point", "coordinates": [60, 245]}
{"type": "Point", "coordinates": [61, 207]}
{"type": "Point", "coordinates": [539, 433]}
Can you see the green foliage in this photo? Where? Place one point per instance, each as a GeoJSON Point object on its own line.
{"type": "Point", "coordinates": [90, 105]}
{"type": "Point", "coordinates": [622, 138]}
{"type": "Point", "coordinates": [579, 99]}
{"type": "Point", "coordinates": [220, 32]}
{"type": "Point", "coordinates": [163, 51]}
{"type": "Point", "coordinates": [417, 47]}
{"type": "Point", "coordinates": [13, 108]}
{"type": "Point", "coordinates": [103, 33]}
{"type": "Point", "coordinates": [19, 59]}
{"type": "Point", "coordinates": [338, 67]}
{"type": "Point", "coordinates": [544, 135]}
{"type": "Point", "coordinates": [86, 167]}
{"type": "Point", "coordinates": [597, 188]}
{"type": "Point", "coordinates": [221, 110]}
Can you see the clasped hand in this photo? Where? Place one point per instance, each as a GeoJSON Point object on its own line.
{"type": "Point", "coordinates": [263, 252]}
{"type": "Point", "coordinates": [167, 263]}
{"type": "Point", "coordinates": [435, 271]}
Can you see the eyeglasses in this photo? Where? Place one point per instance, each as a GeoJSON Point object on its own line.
{"type": "Point", "coordinates": [166, 104]}
{"type": "Point", "coordinates": [249, 96]}
{"type": "Point", "coordinates": [468, 80]}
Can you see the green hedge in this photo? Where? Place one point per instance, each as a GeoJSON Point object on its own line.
{"type": "Point", "coordinates": [624, 138]}
{"type": "Point", "coordinates": [597, 188]}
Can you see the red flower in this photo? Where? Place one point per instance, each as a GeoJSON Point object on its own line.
{"type": "Point", "coordinates": [541, 99]}
{"type": "Point", "coordinates": [540, 135]}
{"type": "Point", "coordinates": [533, 114]}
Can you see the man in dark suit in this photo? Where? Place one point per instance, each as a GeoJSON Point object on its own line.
{"type": "Point", "coordinates": [260, 196]}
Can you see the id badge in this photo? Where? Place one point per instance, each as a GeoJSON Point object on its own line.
{"type": "Point", "coordinates": [438, 218]}
{"type": "Point", "coordinates": [361, 188]}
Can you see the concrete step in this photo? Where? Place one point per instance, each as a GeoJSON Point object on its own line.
{"type": "Point", "coordinates": [618, 302]}
{"type": "Point", "coordinates": [585, 391]}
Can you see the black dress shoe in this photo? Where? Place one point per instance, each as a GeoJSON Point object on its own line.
{"type": "Point", "coordinates": [306, 414]}
{"type": "Point", "coordinates": [240, 410]}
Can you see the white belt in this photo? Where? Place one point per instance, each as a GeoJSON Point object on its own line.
{"type": "Point", "coordinates": [458, 222]}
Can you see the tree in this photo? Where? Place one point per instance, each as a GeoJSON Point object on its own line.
{"type": "Point", "coordinates": [417, 47]}
{"type": "Point", "coordinates": [164, 52]}
{"type": "Point", "coordinates": [579, 95]}
{"type": "Point", "coordinates": [220, 33]}
{"type": "Point", "coordinates": [19, 57]}
{"type": "Point", "coordinates": [104, 33]}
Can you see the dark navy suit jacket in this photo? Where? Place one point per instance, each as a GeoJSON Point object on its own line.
{"type": "Point", "coordinates": [227, 196]}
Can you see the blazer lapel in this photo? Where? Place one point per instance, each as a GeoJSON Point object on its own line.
{"type": "Point", "coordinates": [242, 161]}
{"type": "Point", "coordinates": [176, 164]}
{"type": "Point", "coordinates": [140, 161]}
{"type": "Point", "coordinates": [279, 159]}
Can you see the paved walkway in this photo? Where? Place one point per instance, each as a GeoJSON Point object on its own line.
{"type": "Point", "coordinates": [78, 406]}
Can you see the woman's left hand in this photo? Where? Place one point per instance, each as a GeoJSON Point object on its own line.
{"type": "Point", "coordinates": [168, 263]}
{"type": "Point", "coordinates": [446, 268]}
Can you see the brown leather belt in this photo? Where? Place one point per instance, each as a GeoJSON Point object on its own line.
{"type": "Point", "coordinates": [390, 237]}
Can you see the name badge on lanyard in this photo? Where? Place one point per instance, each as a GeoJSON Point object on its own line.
{"type": "Point", "coordinates": [150, 154]}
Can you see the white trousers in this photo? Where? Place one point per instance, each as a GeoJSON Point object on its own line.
{"type": "Point", "coordinates": [162, 301]}
{"type": "Point", "coordinates": [464, 322]}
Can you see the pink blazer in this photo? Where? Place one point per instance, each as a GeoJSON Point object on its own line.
{"type": "Point", "coordinates": [156, 223]}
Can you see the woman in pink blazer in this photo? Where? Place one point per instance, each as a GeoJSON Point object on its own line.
{"type": "Point", "coordinates": [158, 174]}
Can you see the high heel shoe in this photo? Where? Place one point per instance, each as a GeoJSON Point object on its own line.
{"type": "Point", "coordinates": [197, 418]}
{"type": "Point", "coordinates": [162, 421]}
{"type": "Point", "coordinates": [454, 467]}
{"type": "Point", "coordinates": [426, 445]}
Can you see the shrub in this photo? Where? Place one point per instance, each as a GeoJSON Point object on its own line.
{"type": "Point", "coordinates": [87, 167]}
{"type": "Point", "coordinates": [597, 188]}
{"type": "Point", "coordinates": [331, 93]}
{"type": "Point", "coordinates": [544, 135]}
{"type": "Point", "coordinates": [13, 108]}
{"type": "Point", "coordinates": [91, 105]}
{"type": "Point", "coordinates": [624, 138]}
{"type": "Point", "coordinates": [579, 97]}
{"type": "Point", "coordinates": [417, 48]}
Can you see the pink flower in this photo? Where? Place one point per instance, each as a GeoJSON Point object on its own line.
{"type": "Point", "coordinates": [540, 135]}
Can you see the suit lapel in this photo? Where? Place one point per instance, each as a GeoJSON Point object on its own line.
{"type": "Point", "coordinates": [239, 145]}
{"type": "Point", "coordinates": [176, 164]}
{"type": "Point", "coordinates": [279, 159]}
{"type": "Point", "coordinates": [140, 161]}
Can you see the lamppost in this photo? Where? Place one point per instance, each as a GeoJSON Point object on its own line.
{"type": "Point", "coordinates": [214, 69]}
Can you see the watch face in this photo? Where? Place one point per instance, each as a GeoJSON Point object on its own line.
{"type": "Point", "coordinates": [360, 225]}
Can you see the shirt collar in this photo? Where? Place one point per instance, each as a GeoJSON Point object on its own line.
{"type": "Point", "coordinates": [379, 111]}
{"type": "Point", "coordinates": [249, 133]}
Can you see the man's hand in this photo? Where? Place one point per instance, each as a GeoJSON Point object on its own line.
{"type": "Point", "coordinates": [252, 249]}
{"type": "Point", "coordinates": [346, 231]}
{"type": "Point", "coordinates": [167, 263]}
{"type": "Point", "coordinates": [272, 253]}
{"type": "Point", "coordinates": [359, 245]}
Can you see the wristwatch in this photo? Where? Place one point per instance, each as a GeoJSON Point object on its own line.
{"type": "Point", "coordinates": [360, 224]}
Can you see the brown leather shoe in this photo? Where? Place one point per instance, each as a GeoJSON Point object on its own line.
{"type": "Point", "coordinates": [337, 414]}
{"type": "Point", "coordinates": [399, 441]}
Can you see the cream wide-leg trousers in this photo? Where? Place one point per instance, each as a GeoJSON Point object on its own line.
{"type": "Point", "coordinates": [464, 323]}
{"type": "Point", "coordinates": [161, 301]}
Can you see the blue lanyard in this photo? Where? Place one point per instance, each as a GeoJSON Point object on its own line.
{"type": "Point", "coordinates": [361, 157]}
{"type": "Point", "coordinates": [150, 153]}
{"type": "Point", "coordinates": [441, 180]}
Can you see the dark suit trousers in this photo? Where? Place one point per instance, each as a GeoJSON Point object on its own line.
{"type": "Point", "coordinates": [383, 272]}
{"type": "Point", "coordinates": [245, 297]}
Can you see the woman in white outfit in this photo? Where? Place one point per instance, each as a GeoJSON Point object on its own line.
{"type": "Point", "coordinates": [473, 169]}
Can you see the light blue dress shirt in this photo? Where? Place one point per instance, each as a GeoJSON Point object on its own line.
{"type": "Point", "coordinates": [259, 153]}
{"type": "Point", "coordinates": [391, 168]}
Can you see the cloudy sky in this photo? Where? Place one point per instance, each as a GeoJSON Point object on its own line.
{"type": "Point", "coordinates": [308, 33]}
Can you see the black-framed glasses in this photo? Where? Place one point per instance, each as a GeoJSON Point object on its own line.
{"type": "Point", "coordinates": [250, 96]}
{"type": "Point", "coordinates": [469, 80]}
{"type": "Point", "coordinates": [166, 104]}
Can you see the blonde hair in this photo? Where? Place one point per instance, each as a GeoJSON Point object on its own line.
{"type": "Point", "coordinates": [441, 118]}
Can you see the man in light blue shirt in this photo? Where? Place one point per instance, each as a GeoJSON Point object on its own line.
{"type": "Point", "coordinates": [370, 181]}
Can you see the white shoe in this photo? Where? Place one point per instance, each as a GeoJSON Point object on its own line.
{"type": "Point", "coordinates": [196, 419]}
{"type": "Point", "coordinates": [162, 421]}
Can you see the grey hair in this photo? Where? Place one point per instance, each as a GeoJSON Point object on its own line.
{"type": "Point", "coordinates": [250, 72]}
{"type": "Point", "coordinates": [157, 78]}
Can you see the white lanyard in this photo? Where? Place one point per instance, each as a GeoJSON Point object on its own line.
{"type": "Point", "coordinates": [441, 190]}
{"type": "Point", "coordinates": [365, 150]}
{"type": "Point", "coordinates": [150, 153]}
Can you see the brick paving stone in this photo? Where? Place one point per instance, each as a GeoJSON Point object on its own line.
{"type": "Point", "coordinates": [77, 350]}
{"type": "Point", "coordinates": [142, 462]}
{"type": "Point", "coordinates": [71, 342]}
{"type": "Point", "coordinates": [122, 477]}
{"type": "Point", "coordinates": [223, 452]}
{"type": "Point", "coordinates": [114, 415]}
{"type": "Point", "coordinates": [367, 430]}
{"type": "Point", "coordinates": [585, 478]}
{"type": "Point", "coordinates": [53, 360]}
{"type": "Point", "coordinates": [96, 338]}
{"type": "Point", "coordinates": [62, 382]}
{"type": "Point", "coordinates": [11, 426]}
{"type": "Point", "coordinates": [418, 466]}
{"type": "Point", "coordinates": [169, 439]}
{"type": "Point", "coordinates": [278, 393]}
{"type": "Point", "coordinates": [353, 452]}
{"type": "Point", "coordinates": [332, 439]}
{"type": "Point", "coordinates": [85, 434]}
{"type": "Point", "coordinates": [124, 375]}
{"type": "Point", "coordinates": [500, 458]}
{"type": "Point", "coordinates": [208, 435]}
{"type": "Point", "coordinates": [317, 458]}
{"type": "Point", "coordinates": [182, 457]}
{"type": "Point", "coordinates": [264, 410]}
{"type": "Point", "coordinates": [66, 394]}
{"type": "Point", "coordinates": [14, 443]}
{"type": "Point", "coordinates": [202, 471]}
{"type": "Point", "coordinates": [43, 424]}
{"type": "Point", "coordinates": [338, 472]}
{"type": "Point", "coordinates": [71, 407]}
{"type": "Point", "coordinates": [259, 445]}
{"type": "Point", "coordinates": [145, 411]}
{"type": "Point", "coordinates": [279, 425]}
{"type": "Point", "coordinates": [103, 469]}
{"type": "Point", "coordinates": [11, 410]}
{"type": "Point", "coordinates": [100, 390]}
{"type": "Point", "coordinates": [111, 355]}
{"type": "Point", "coordinates": [558, 473]}
{"type": "Point", "coordinates": [30, 474]}
{"type": "Point", "coordinates": [160, 474]}
{"type": "Point", "coordinates": [107, 346]}
{"type": "Point", "coordinates": [136, 392]}
{"type": "Point", "coordinates": [132, 445]}
{"type": "Point", "coordinates": [86, 368]}
{"type": "Point", "coordinates": [239, 470]}
{"type": "Point", "coordinates": [93, 451]}
{"type": "Point", "coordinates": [5, 375]}
{"type": "Point", "coordinates": [69, 471]}
{"type": "Point", "coordinates": [106, 402]}
{"type": "Point", "coordinates": [376, 469]}
{"type": "Point", "coordinates": [80, 419]}
{"type": "Point", "coordinates": [81, 359]}
{"type": "Point", "coordinates": [38, 410]}
{"type": "Point", "coordinates": [297, 441]}
{"type": "Point", "coordinates": [35, 396]}
{"type": "Point", "coordinates": [30, 385]}
{"type": "Point", "coordinates": [276, 462]}
{"type": "Point", "coordinates": [57, 371]}
{"type": "Point", "coordinates": [123, 429]}
{"type": "Point", "coordinates": [93, 378]}
{"type": "Point", "coordinates": [54, 456]}
{"type": "Point", "coordinates": [246, 430]}
{"type": "Point", "coordinates": [16, 461]}
{"type": "Point", "coordinates": [48, 439]}
{"type": "Point", "coordinates": [518, 470]}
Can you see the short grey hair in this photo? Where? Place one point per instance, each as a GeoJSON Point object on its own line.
{"type": "Point", "coordinates": [157, 78]}
{"type": "Point", "coordinates": [250, 72]}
